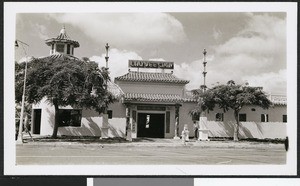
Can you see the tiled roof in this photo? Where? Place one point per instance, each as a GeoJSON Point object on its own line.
{"type": "Point", "coordinates": [151, 77]}
{"type": "Point", "coordinates": [114, 89]}
{"type": "Point", "coordinates": [59, 56]}
{"type": "Point", "coordinates": [156, 97]}
{"type": "Point", "coordinates": [55, 40]}
{"type": "Point", "coordinates": [278, 99]}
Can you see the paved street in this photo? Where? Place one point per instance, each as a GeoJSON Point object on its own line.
{"type": "Point", "coordinates": [96, 154]}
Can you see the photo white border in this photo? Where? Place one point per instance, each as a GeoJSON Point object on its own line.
{"type": "Point", "coordinates": [12, 8]}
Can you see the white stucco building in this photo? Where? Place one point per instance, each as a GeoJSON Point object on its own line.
{"type": "Point", "coordinates": [150, 104]}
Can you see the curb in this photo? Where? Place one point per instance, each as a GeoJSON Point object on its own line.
{"type": "Point", "coordinates": [196, 144]}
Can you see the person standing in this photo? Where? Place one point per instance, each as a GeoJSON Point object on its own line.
{"type": "Point", "coordinates": [196, 128]}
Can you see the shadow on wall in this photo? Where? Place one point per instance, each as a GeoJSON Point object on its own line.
{"type": "Point", "coordinates": [220, 129]}
{"type": "Point", "coordinates": [248, 129]}
{"type": "Point", "coordinates": [245, 132]}
{"type": "Point", "coordinates": [115, 133]}
{"type": "Point", "coordinates": [89, 127]}
{"type": "Point", "coordinates": [91, 124]}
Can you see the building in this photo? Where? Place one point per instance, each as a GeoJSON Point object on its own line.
{"type": "Point", "coordinates": [153, 104]}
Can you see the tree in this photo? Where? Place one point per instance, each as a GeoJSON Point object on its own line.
{"type": "Point", "coordinates": [63, 82]}
{"type": "Point", "coordinates": [235, 97]}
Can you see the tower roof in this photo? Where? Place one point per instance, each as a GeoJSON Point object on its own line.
{"type": "Point", "coordinates": [62, 38]}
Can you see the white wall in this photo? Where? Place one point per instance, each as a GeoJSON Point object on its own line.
{"type": "Point", "coordinates": [258, 130]}
{"type": "Point", "coordinates": [185, 118]}
{"type": "Point", "coordinates": [253, 128]}
{"type": "Point", "coordinates": [91, 121]}
{"type": "Point", "coordinates": [275, 113]}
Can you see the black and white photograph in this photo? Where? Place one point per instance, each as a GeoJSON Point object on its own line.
{"type": "Point", "coordinates": [150, 88]}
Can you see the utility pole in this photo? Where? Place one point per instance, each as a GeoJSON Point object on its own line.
{"type": "Point", "coordinates": [20, 134]}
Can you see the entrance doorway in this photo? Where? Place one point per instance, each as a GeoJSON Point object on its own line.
{"type": "Point", "coordinates": [151, 125]}
{"type": "Point", "coordinates": [36, 121]}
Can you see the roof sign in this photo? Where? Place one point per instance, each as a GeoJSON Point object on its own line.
{"type": "Point", "coordinates": [150, 64]}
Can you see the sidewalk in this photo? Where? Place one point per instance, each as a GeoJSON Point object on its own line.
{"type": "Point", "coordinates": [149, 142]}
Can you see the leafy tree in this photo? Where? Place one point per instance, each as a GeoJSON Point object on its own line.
{"type": "Point", "coordinates": [65, 82]}
{"type": "Point", "coordinates": [232, 96]}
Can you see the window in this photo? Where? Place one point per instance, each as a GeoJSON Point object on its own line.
{"type": "Point", "coordinates": [242, 117]}
{"type": "Point", "coordinates": [69, 117]}
{"type": "Point", "coordinates": [195, 117]}
{"type": "Point", "coordinates": [284, 118]}
{"type": "Point", "coordinates": [219, 116]}
{"type": "Point", "coordinates": [109, 113]}
{"type": "Point", "coordinates": [264, 118]}
{"type": "Point", "coordinates": [68, 49]}
{"type": "Point", "coordinates": [60, 48]}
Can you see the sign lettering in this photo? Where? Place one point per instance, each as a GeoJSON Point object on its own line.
{"type": "Point", "coordinates": [150, 64]}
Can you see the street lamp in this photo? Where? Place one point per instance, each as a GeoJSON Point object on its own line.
{"type": "Point", "coordinates": [20, 135]}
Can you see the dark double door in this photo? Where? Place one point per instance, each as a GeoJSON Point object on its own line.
{"type": "Point", "coordinates": [37, 114]}
{"type": "Point", "coordinates": [151, 125]}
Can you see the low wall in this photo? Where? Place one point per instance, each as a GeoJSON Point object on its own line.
{"type": "Point", "coordinates": [91, 126]}
{"type": "Point", "coordinates": [257, 130]}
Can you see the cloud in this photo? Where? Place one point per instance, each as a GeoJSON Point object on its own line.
{"type": "Point", "coordinates": [217, 34]}
{"type": "Point", "coordinates": [40, 30]}
{"type": "Point", "coordinates": [191, 72]}
{"type": "Point", "coordinates": [256, 54]}
{"type": "Point", "coordinates": [259, 46]}
{"type": "Point", "coordinates": [130, 30]}
{"type": "Point", "coordinates": [270, 81]}
{"type": "Point", "coordinates": [118, 61]}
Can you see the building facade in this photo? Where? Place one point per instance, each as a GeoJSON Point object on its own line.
{"type": "Point", "coordinates": [153, 104]}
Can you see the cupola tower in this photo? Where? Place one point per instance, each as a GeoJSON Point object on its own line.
{"type": "Point", "coordinates": [62, 44]}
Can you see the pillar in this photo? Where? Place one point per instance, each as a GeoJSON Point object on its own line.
{"type": "Point", "coordinates": [176, 136]}
{"type": "Point", "coordinates": [128, 125]}
{"type": "Point", "coordinates": [203, 131]}
{"type": "Point", "coordinates": [104, 128]}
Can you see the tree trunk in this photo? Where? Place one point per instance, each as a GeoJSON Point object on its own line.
{"type": "Point", "coordinates": [236, 126]}
{"type": "Point", "coordinates": [56, 124]}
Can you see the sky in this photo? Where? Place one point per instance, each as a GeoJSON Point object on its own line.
{"type": "Point", "coordinates": [244, 47]}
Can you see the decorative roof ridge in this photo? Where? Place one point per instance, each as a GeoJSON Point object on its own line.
{"type": "Point", "coordinates": [151, 77]}
{"type": "Point", "coordinates": [135, 96]}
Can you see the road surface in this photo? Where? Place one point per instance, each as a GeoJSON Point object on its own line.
{"type": "Point", "coordinates": [118, 155]}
